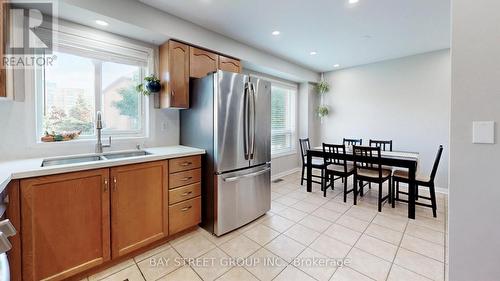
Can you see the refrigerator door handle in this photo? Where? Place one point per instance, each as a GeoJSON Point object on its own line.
{"type": "Point", "coordinates": [252, 146]}
{"type": "Point", "coordinates": [245, 121]}
{"type": "Point", "coordinates": [233, 179]}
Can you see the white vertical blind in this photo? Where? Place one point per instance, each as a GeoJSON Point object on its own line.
{"type": "Point", "coordinates": [283, 119]}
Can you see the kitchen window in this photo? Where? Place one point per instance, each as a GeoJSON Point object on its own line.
{"type": "Point", "coordinates": [90, 76]}
{"type": "Point", "coordinates": [283, 119]}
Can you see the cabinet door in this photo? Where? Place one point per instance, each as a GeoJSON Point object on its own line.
{"type": "Point", "coordinates": [3, 30]}
{"type": "Point", "coordinates": [229, 64]}
{"type": "Point", "coordinates": [65, 224]}
{"type": "Point", "coordinates": [139, 206]}
{"type": "Point", "coordinates": [174, 69]}
{"type": "Point", "coordinates": [202, 62]}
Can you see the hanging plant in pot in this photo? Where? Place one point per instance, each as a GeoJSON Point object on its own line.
{"type": "Point", "coordinates": [323, 111]}
{"type": "Point", "coordinates": [150, 86]}
{"type": "Point", "coordinates": [322, 87]}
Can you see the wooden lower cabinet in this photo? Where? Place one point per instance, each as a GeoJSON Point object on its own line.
{"type": "Point", "coordinates": [65, 224]}
{"type": "Point", "coordinates": [71, 223]}
{"type": "Point", "coordinates": [139, 203]}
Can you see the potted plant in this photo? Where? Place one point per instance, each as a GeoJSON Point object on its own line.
{"type": "Point", "coordinates": [322, 87]}
{"type": "Point", "coordinates": [150, 86]}
{"type": "Point", "coordinates": [323, 111]}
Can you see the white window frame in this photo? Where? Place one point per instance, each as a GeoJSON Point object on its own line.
{"type": "Point", "coordinates": [106, 48]}
{"type": "Point", "coordinates": [292, 131]}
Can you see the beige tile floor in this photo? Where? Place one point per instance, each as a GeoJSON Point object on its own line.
{"type": "Point", "coordinates": [302, 227]}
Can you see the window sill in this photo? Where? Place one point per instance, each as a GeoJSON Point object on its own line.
{"type": "Point", "coordinates": [91, 141]}
{"type": "Point", "coordinates": [283, 154]}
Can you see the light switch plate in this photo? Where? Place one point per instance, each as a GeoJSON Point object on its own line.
{"type": "Point", "coordinates": [483, 132]}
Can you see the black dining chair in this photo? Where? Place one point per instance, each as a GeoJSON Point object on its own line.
{"type": "Point", "coordinates": [351, 142]}
{"type": "Point", "coordinates": [317, 163]}
{"type": "Point", "coordinates": [336, 168]}
{"type": "Point", "coordinates": [385, 145]}
{"type": "Point", "coordinates": [402, 176]}
{"type": "Point", "coordinates": [370, 172]}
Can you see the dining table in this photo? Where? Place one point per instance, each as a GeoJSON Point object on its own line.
{"type": "Point", "coordinates": [400, 159]}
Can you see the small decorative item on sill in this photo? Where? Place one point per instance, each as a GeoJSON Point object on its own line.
{"type": "Point", "coordinates": [63, 136]}
{"type": "Point", "coordinates": [150, 86]}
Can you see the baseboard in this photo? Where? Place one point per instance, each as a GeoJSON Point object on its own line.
{"type": "Point", "coordinates": [285, 173]}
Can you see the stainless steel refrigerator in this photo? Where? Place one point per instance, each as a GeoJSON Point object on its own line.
{"type": "Point", "coordinates": [230, 117]}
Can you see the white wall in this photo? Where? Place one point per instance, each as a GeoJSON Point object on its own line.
{"type": "Point", "coordinates": [474, 208]}
{"type": "Point", "coordinates": [406, 100]}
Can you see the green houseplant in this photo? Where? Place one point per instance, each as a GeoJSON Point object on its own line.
{"type": "Point", "coordinates": [323, 111]}
{"type": "Point", "coordinates": [150, 86]}
{"type": "Point", "coordinates": [322, 87]}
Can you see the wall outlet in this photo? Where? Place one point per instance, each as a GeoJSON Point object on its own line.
{"type": "Point", "coordinates": [483, 132]}
{"type": "Point", "coordinates": [164, 125]}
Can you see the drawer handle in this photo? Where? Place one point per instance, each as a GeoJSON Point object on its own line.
{"type": "Point", "coordinates": [187, 208]}
{"type": "Point", "coordinates": [186, 193]}
{"type": "Point", "coordinates": [186, 178]}
{"type": "Point", "coordinates": [185, 164]}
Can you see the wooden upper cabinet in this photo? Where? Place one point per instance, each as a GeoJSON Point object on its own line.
{"type": "Point", "coordinates": [65, 224]}
{"type": "Point", "coordinates": [202, 62]}
{"type": "Point", "coordinates": [3, 30]}
{"type": "Point", "coordinates": [139, 206]}
{"type": "Point", "coordinates": [229, 64]}
{"type": "Point", "coordinates": [174, 74]}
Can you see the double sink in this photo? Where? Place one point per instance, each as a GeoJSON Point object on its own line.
{"type": "Point", "coordinates": [93, 158]}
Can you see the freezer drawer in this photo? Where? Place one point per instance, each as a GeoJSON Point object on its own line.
{"type": "Point", "coordinates": [242, 197]}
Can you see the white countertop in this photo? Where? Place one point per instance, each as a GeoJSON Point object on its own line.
{"type": "Point", "coordinates": [27, 168]}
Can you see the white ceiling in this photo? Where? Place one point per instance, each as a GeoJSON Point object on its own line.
{"type": "Point", "coordinates": [341, 33]}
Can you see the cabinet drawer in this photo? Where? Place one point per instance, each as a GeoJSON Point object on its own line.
{"type": "Point", "coordinates": [184, 178]}
{"type": "Point", "coordinates": [184, 215]}
{"type": "Point", "coordinates": [184, 164]}
{"type": "Point", "coordinates": [183, 193]}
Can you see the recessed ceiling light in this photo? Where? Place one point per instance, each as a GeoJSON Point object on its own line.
{"type": "Point", "coordinates": [336, 65]}
{"type": "Point", "coordinates": [101, 22]}
{"type": "Point", "coordinates": [313, 53]}
{"type": "Point", "coordinates": [276, 33]}
{"type": "Point", "coordinates": [353, 1]}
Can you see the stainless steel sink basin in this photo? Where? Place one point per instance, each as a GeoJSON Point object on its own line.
{"type": "Point", "coordinates": [70, 160]}
{"type": "Point", "coordinates": [127, 154]}
{"type": "Point", "coordinates": [93, 158]}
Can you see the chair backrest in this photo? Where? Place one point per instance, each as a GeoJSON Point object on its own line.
{"type": "Point", "coordinates": [361, 153]}
{"type": "Point", "coordinates": [436, 162]}
{"type": "Point", "coordinates": [384, 145]}
{"type": "Point", "coordinates": [352, 142]}
{"type": "Point", "coordinates": [305, 145]}
{"type": "Point", "coordinates": [337, 149]}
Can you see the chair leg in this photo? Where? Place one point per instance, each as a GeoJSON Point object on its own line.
{"type": "Point", "coordinates": [369, 185]}
{"type": "Point", "coordinates": [361, 188]}
{"type": "Point", "coordinates": [302, 178]}
{"type": "Point", "coordinates": [355, 191]}
{"type": "Point", "coordinates": [397, 190]}
{"type": "Point", "coordinates": [393, 193]}
{"type": "Point", "coordinates": [380, 197]}
{"type": "Point", "coordinates": [324, 188]}
{"type": "Point", "coordinates": [390, 192]}
{"type": "Point", "coordinates": [416, 192]}
{"type": "Point", "coordinates": [433, 200]}
{"type": "Point", "coordinates": [345, 189]}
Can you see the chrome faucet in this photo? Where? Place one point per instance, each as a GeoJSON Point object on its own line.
{"type": "Point", "coordinates": [99, 145]}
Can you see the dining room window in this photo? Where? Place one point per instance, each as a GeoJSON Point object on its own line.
{"type": "Point", "coordinates": [283, 119]}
